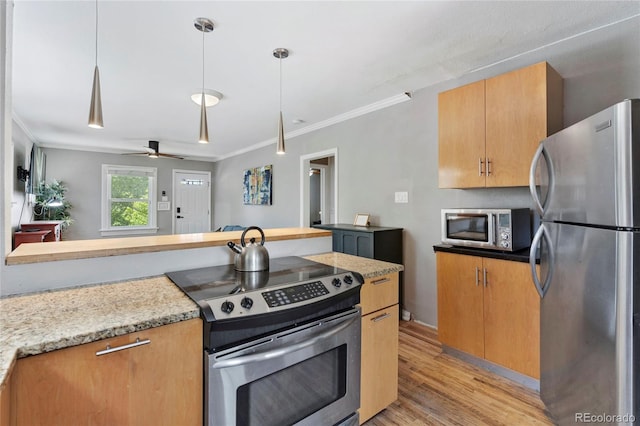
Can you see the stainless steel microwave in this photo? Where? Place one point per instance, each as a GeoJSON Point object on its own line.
{"type": "Point", "coordinates": [494, 229]}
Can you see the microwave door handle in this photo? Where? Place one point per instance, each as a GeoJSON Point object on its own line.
{"type": "Point", "coordinates": [492, 229]}
{"type": "Point", "coordinates": [541, 288]}
{"type": "Point", "coordinates": [276, 353]}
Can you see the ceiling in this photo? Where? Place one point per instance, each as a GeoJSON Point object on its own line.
{"type": "Point", "coordinates": [345, 56]}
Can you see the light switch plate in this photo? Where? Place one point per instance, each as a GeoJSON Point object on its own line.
{"type": "Point", "coordinates": [402, 197]}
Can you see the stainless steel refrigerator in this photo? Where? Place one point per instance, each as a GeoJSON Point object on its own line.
{"type": "Point", "coordinates": [585, 182]}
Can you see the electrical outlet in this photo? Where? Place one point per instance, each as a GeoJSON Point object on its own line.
{"type": "Point", "coordinates": [402, 197]}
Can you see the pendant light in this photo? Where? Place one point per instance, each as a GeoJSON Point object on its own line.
{"type": "Point", "coordinates": [206, 26]}
{"type": "Point", "coordinates": [95, 110]}
{"type": "Point", "coordinates": [280, 53]}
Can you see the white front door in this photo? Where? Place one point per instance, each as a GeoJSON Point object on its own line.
{"type": "Point", "coordinates": [192, 201]}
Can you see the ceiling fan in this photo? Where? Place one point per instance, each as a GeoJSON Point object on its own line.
{"type": "Point", "coordinates": [153, 151]}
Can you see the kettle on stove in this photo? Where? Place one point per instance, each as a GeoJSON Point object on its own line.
{"type": "Point", "coordinates": [250, 257]}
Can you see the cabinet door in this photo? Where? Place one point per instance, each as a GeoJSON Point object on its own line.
{"type": "Point", "coordinates": [512, 317]}
{"type": "Point", "coordinates": [379, 365]}
{"type": "Point", "coordinates": [461, 137]}
{"type": "Point", "coordinates": [157, 383]}
{"type": "Point", "coordinates": [165, 377]}
{"type": "Point", "coordinates": [73, 386]}
{"type": "Point", "coordinates": [460, 317]}
{"type": "Point", "coordinates": [522, 108]}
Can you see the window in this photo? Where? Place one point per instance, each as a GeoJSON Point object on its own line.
{"type": "Point", "coordinates": [128, 200]}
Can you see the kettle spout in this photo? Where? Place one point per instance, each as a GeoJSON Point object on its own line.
{"type": "Point", "coordinates": [234, 247]}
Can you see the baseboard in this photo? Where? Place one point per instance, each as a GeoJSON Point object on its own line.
{"type": "Point", "coordinates": [514, 376]}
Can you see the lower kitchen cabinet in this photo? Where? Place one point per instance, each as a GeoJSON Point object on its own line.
{"type": "Point", "coordinates": [489, 308]}
{"type": "Point", "coordinates": [155, 383]}
{"type": "Point", "coordinates": [379, 362]}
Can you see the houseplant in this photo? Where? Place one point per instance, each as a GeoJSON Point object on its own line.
{"type": "Point", "coordinates": [51, 203]}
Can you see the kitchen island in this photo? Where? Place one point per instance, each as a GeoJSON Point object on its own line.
{"type": "Point", "coordinates": [50, 320]}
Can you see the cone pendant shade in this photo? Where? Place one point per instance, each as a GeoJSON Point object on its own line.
{"type": "Point", "coordinates": [280, 149]}
{"type": "Point", "coordinates": [95, 111]}
{"type": "Point", "coordinates": [204, 129]}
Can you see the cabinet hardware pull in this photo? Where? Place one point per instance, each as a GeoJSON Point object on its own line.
{"type": "Point", "coordinates": [380, 317]}
{"type": "Point", "coordinates": [480, 167]}
{"type": "Point", "coordinates": [484, 277]}
{"type": "Point", "coordinates": [380, 281]}
{"type": "Point", "coordinates": [477, 276]}
{"type": "Point", "coordinates": [109, 349]}
{"type": "Point", "coordinates": [488, 167]}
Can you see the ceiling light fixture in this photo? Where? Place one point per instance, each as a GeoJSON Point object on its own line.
{"type": "Point", "coordinates": [280, 53]}
{"type": "Point", "coordinates": [206, 26]}
{"type": "Point", "coordinates": [211, 97]}
{"type": "Point", "coordinates": [95, 110]}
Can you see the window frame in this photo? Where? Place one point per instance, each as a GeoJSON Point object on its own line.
{"type": "Point", "coordinates": [109, 170]}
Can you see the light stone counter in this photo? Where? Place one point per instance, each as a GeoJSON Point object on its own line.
{"type": "Point", "coordinates": [369, 268]}
{"type": "Point", "coordinates": [46, 321]}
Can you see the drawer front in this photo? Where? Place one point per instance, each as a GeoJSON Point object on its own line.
{"type": "Point", "coordinates": [379, 292]}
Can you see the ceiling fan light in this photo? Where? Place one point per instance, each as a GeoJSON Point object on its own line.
{"type": "Point", "coordinates": [204, 129]}
{"type": "Point", "coordinates": [154, 155]}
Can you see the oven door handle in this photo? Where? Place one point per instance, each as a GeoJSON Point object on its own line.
{"type": "Point", "coordinates": [275, 353]}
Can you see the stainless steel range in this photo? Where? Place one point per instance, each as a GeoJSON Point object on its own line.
{"type": "Point", "coordinates": [282, 346]}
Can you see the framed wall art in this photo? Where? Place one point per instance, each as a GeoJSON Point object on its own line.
{"type": "Point", "coordinates": [257, 185]}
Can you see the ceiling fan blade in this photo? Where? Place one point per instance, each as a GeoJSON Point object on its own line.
{"type": "Point", "coordinates": [135, 153]}
{"type": "Point", "coordinates": [170, 156]}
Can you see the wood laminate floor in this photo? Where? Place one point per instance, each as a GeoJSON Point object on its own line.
{"type": "Point", "coordinates": [435, 388]}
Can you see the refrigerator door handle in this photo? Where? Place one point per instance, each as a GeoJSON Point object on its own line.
{"type": "Point", "coordinates": [541, 206]}
{"type": "Point", "coordinates": [542, 288]}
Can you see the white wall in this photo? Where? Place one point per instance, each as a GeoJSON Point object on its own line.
{"type": "Point", "coordinates": [396, 149]}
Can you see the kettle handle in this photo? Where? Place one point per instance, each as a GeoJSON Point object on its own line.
{"type": "Point", "coordinates": [243, 243]}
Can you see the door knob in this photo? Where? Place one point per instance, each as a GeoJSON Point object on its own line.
{"type": "Point", "coordinates": [179, 217]}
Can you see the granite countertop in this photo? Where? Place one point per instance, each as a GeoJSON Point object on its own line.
{"type": "Point", "coordinates": [369, 268]}
{"type": "Point", "coordinates": [42, 322]}
{"type": "Point", "coordinates": [46, 321]}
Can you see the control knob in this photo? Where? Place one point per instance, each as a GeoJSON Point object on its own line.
{"type": "Point", "coordinates": [504, 244]}
{"type": "Point", "coordinates": [227, 307]}
{"type": "Point", "coordinates": [348, 279]}
{"type": "Point", "coordinates": [246, 303]}
{"type": "Point", "coordinates": [336, 282]}
{"type": "Point", "coordinates": [504, 236]}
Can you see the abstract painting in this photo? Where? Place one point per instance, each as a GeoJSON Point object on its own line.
{"type": "Point", "coordinates": [257, 185]}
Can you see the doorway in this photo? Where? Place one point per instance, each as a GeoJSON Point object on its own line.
{"type": "Point", "coordinates": [319, 188]}
{"type": "Point", "coordinates": [192, 201]}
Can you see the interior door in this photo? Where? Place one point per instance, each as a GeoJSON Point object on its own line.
{"type": "Point", "coordinates": [192, 209]}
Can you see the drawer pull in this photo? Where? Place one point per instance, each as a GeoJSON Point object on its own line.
{"type": "Point", "coordinates": [380, 281]}
{"type": "Point", "coordinates": [109, 349]}
{"type": "Point", "coordinates": [380, 317]}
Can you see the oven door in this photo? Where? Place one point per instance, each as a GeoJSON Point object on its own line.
{"type": "Point", "coordinates": [469, 228]}
{"type": "Point", "coordinates": [308, 375]}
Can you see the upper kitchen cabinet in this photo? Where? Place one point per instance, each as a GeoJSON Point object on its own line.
{"type": "Point", "coordinates": [489, 130]}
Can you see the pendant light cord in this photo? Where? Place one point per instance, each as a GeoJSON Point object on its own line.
{"type": "Point", "coordinates": [280, 62]}
{"type": "Point", "coordinates": [96, 33]}
{"type": "Point", "coordinates": [203, 31]}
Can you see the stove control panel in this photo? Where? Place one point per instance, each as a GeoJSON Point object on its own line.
{"type": "Point", "coordinates": [288, 295]}
{"type": "Point", "coordinates": [273, 299]}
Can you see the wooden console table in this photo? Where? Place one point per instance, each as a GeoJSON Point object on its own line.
{"type": "Point", "coordinates": [55, 226]}
{"type": "Point", "coordinates": [29, 237]}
